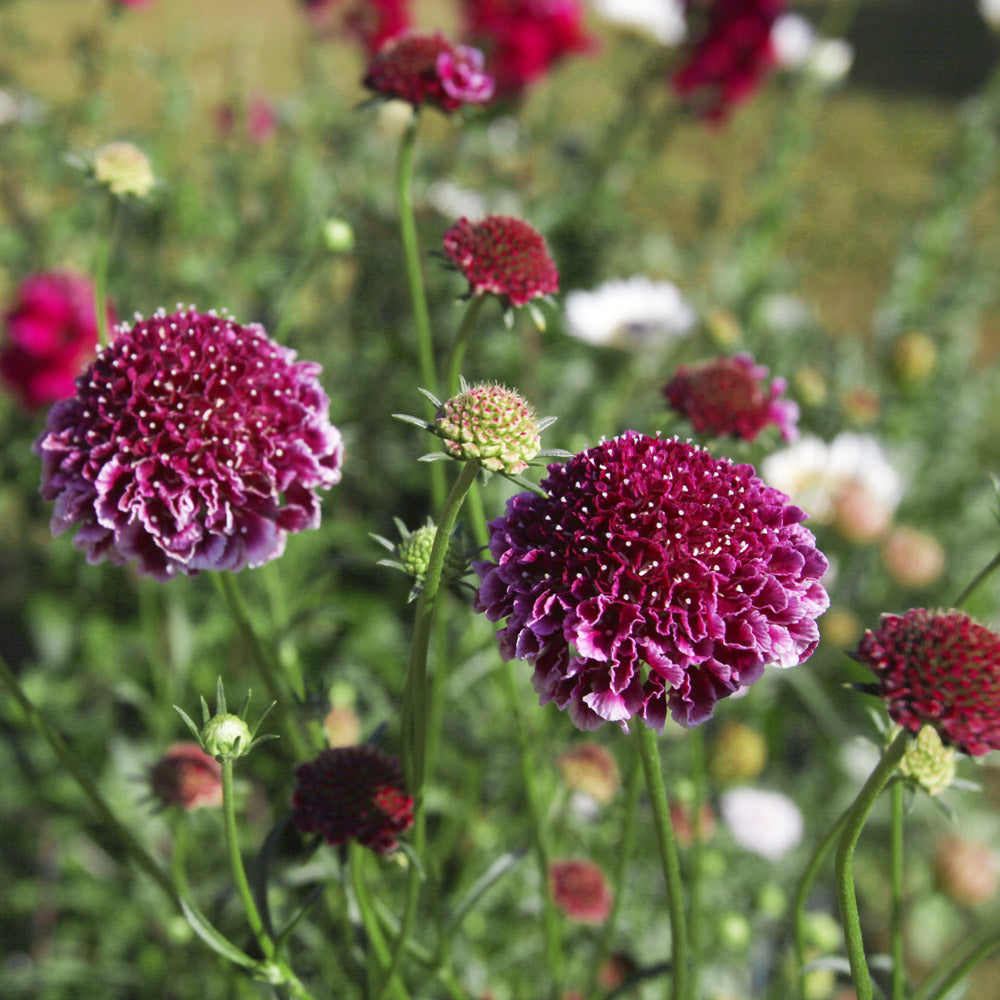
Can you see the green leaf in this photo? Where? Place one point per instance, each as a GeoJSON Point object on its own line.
{"type": "Point", "coordinates": [213, 938]}
{"type": "Point", "coordinates": [503, 865]}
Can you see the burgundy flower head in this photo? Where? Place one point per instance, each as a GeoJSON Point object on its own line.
{"type": "Point", "coordinates": [186, 776]}
{"type": "Point", "coordinates": [940, 669]}
{"type": "Point", "coordinates": [371, 22]}
{"type": "Point", "coordinates": [651, 551]}
{"type": "Point", "coordinates": [192, 443]}
{"type": "Point", "coordinates": [730, 57]}
{"type": "Point", "coordinates": [50, 331]}
{"type": "Point", "coordinates": [502, 256]}
{"type": "Point", "coordinates": [353, 793]}
{"type": "Point", "coordinates": [523, 39]}
{"type": "Point", "coordinates": [428, 69]}
{"type": "Point", "coordinates": [580, 890]}
{"type": "Point", "coordinates": [730, 396]}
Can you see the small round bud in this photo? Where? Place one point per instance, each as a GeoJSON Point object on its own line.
{"type": "Point", "coordinates": [734, 931]}
{"type": "Point", "coordinates": [338, 236]}
{"type": "Point", "coordinates": [491, 424]}
{"type": "Point", "coordinates": [415, 553]}
{"type": "Point", "coordinates": [928, 762]}
{"type": "Point", "coordinates": [226, 736]}
{"type": "Point", "coordinates": [124, 169]}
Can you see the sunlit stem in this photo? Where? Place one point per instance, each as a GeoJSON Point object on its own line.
{"type": "Point", "coordinates": [667, 846]}
{"type": "Point", "coordinates": [896, 913]}
{"type": "Point", "coordinates": [844, 862]}
{"type": "Point", "coordinates": [465, 329]}
{"type": "Point", "coordinates": [696, 741]}
{"type": "Point", "coordinates": [982, 575]}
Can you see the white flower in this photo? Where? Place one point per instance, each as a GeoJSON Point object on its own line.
{"type": "Point", "coordinates": [767, 823]}
{"type": "Point", "coordinates": [632, 313]}
{"type": "Point", "coordinates": [797, 47]}
{"type": "Point", "coordinates": [831, 59]}
{"type": "Point", "coordinates": [663, 19]}
{"type": "Point", "coordinates": [990, 9]}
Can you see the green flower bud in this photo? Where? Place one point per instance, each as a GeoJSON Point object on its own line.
{"type": "Point", "coordinates": [928, 762]}
{"type": "Point", "coordinates": [414, 552]}
{"type": "Point", "coordinates": [226, 736]}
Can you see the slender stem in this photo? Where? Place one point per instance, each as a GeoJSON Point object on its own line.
{"type": "Point", "coordinates": [76, 766]}
{"type": "Point", "coordinates": [844, 862]}
{"type": "Point", "coordinates": [896, 847]}
{"type": "Point", "coordinates": [267, 666]}
{"type": "Point", "coordinates": [696, 741]}
{"type": "Point", "coordinates": [803, 890]}
{"type": "Point", "coordinates": [960, 961]}
{"type": "Point", "coordinates": [465, 329]}
{"type": "Point", "coordinates": [101, 272]}
{"type": "Point", "coordinates": [667, 846]}
{"type": "Point", "coordinates": [985, 572]}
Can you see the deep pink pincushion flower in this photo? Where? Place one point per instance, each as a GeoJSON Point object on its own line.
{"type": "Point", "coordinates": [524, 39]}
{"type": "Point", "coordinates": [647, 550]}
{"type": "Point", "coordinates": [428, 69]}
{"type": "Point", "coordinates": [353, 793]}
{"type": "Point", "coordinates": [580, 890]}
{"type": "Point", "coordinates": [940, 669]}
{"type": "Point", "coordinates": [502, 256]}
{"type": "Point", "coordinates": [49, 332]}
{"type": "Point", "coordinates": [730, 396]}
{"type": "Point", "coordinates": [192, 443]}
{"type": "Point", "coordinates": [730, 58]}
{"type": "Point", "coordinates": [188, 777]}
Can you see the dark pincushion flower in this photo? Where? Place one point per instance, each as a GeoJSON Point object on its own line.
{"type": "Point", "coordinates": [651, 551]}
{"type": "Point", "coordinates": [502, 256]}
{"type": "Point", "coordinates": [353, 793]}
{"type": "Point", "coordinates": [428, 69]}
{"type": "Point", "coordinates": [731, 396]}
{"type": "Point", "coordinates": [192, 443]}
{"type": "Point", "coordinates": [940, 669]}
{"type": "Point", "coordinates": [730, 57]}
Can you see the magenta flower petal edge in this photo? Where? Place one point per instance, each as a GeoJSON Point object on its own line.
{"type": "Point", "coordinates": [650, 551]}
{"type": "Point", "coordinates": [192, 443]}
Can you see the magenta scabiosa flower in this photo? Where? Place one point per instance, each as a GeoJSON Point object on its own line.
{"type": "Point", "coordinates": [651, 551]}
{"type": "Point", "coordinates": [940, 669]}
{"type": "Point", "coordinates": [188, 777]}
{"type": "Point", "coordinates": [730, 396]}
{"type": "Point", "coordinates": [502, 256]}
{"type": "Point", "coordinates": [428, 69]}
{"type": "Point", "coordinates": [192, 443]}
{"type": "Point", "coordinates": [580, 890]}
{"type": "Point", "coordinates": [49, 333]}
{"type": "Point", "coordinates": [353, 793]}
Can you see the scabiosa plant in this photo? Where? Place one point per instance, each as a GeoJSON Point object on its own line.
{"type": "Point", "coordinates": [730, 396]}
{"type": "Point", "coordinates": [353, 793]}
{"type": "Point", "coordinates": [730, 57]}
{"type": "Point", "coordinates": [428, 69]}
{"type": "Point", "coordinates": [580, 890]}
{"type": "Point", "coordinates": [502, 256]}
{"type": "Point", "coordinates": [192, 443]}
{"type": "Point", "coordinates": [188, 777]}
{"type": "Point", "coordinates": [524, 39]}
{"type": "Point", "coordinates": [940, 669]}
{"type": "Point", "coordinates": [49, 333]}
{"type": "Point", "coordinates": [647, 550]}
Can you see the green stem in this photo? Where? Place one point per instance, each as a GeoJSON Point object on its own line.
{"type": "Point", "coordinates": [960, 961]}
{"type": "Point", "coordinates": [667, 845]}
{"type": "Point", "coordinates": [267, 666]}
{"type": "Point", "coordinates": [462, 340]}
{"type": "Point", "coordinates": [696, 741]}
{"type": "Point", "coordinates": [982, 575]}
{"type": "Point", "coordinates": [101, 273]}
{"type": "Point", "coordinates": [896, 847]}
{"type": "Point", "coordinates": [77, 767]}
{"type": "Point", "coordinates": [844, 862]}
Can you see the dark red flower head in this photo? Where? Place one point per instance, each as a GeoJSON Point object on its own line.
{"type": "Point", "coordinates": [580, 890]}
{"type": "Point", "coordinates": [421, 69]}
{"type": "Point", "coordinates": [523, 39]}
{"type": "Point", "coordinates": [49, 332]}
{"type": "Point", "coordinates": [371, 22]}
{"type": "Point", "coordinates": [503, 256]}
{"type": "Point", "coordinates": [730, 396]}
{"type": "Point", "coordinates": [192, 443]}
{"type": "Point", "coordinates": [186, 776]}
{"type": "Point", "coordinates": [353, 793]}
{"type": "Point", "coordinates": [651, 551]}
{"type": "Point", "coordinates": [940, 669]}
{"type": "Point", "coordinates": [730, 57]}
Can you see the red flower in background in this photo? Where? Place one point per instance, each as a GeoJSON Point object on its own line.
{"type": "Point", "coordinates": [49, 332]}
{"type": "Point", "coordinates": [371, 22]}
{"type": "Point", "coordinates": [730, 56]}
{"type": "Point", "coordinates": [580, 890]}
{"type": "Point", "coordinates": [188, 777]}
{"type": "Point", "coordinates": [523, 39]}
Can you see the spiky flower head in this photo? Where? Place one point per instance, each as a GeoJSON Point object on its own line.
{"type": "Point", "coordinates": [928, 762]}
{"type": "Point", "coordinates": [124, 169]}
{"type": "Point", "coordinates": [503, 256]}
{"type": "Point", "coordinates": [730, 396]}
{"type": "Point", "coordinates": [353, 793]}
{"type": "Point", "coordinates": [651, 551]}
{"type": "Point", "coordinates": [186, 776]}
{"type": "Point", "coordinates": [491, 424]}
{"type": "Point", "coordinates": [580, 890]}
{"type": "Point", "coordinates": [940, 669]}
{"type": "Point", "coordinates": [192, 443]}
{"type": "Point", "coordinates": [428, 69]}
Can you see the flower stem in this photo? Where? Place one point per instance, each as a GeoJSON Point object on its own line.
{"type": "Point", "coordinates": [101, 272]}
{"type": "Point", "coordinates": [844, 862]}
{"type": "Point", "coordinates": [667, 845]}
{"type": "Point", "coordinates": [896, 847]}
{"type": "Point", "coordinates": [697, 744]}
{"type": "Point", "coordinates": [982, 575]}
{"type": "Point", "coordinates": [457, 353]}
{"type": "Point", "coordinates": [75, 766]}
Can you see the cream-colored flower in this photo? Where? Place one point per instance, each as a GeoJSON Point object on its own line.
{"type": "Point", "coordinates": [124, 169]}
